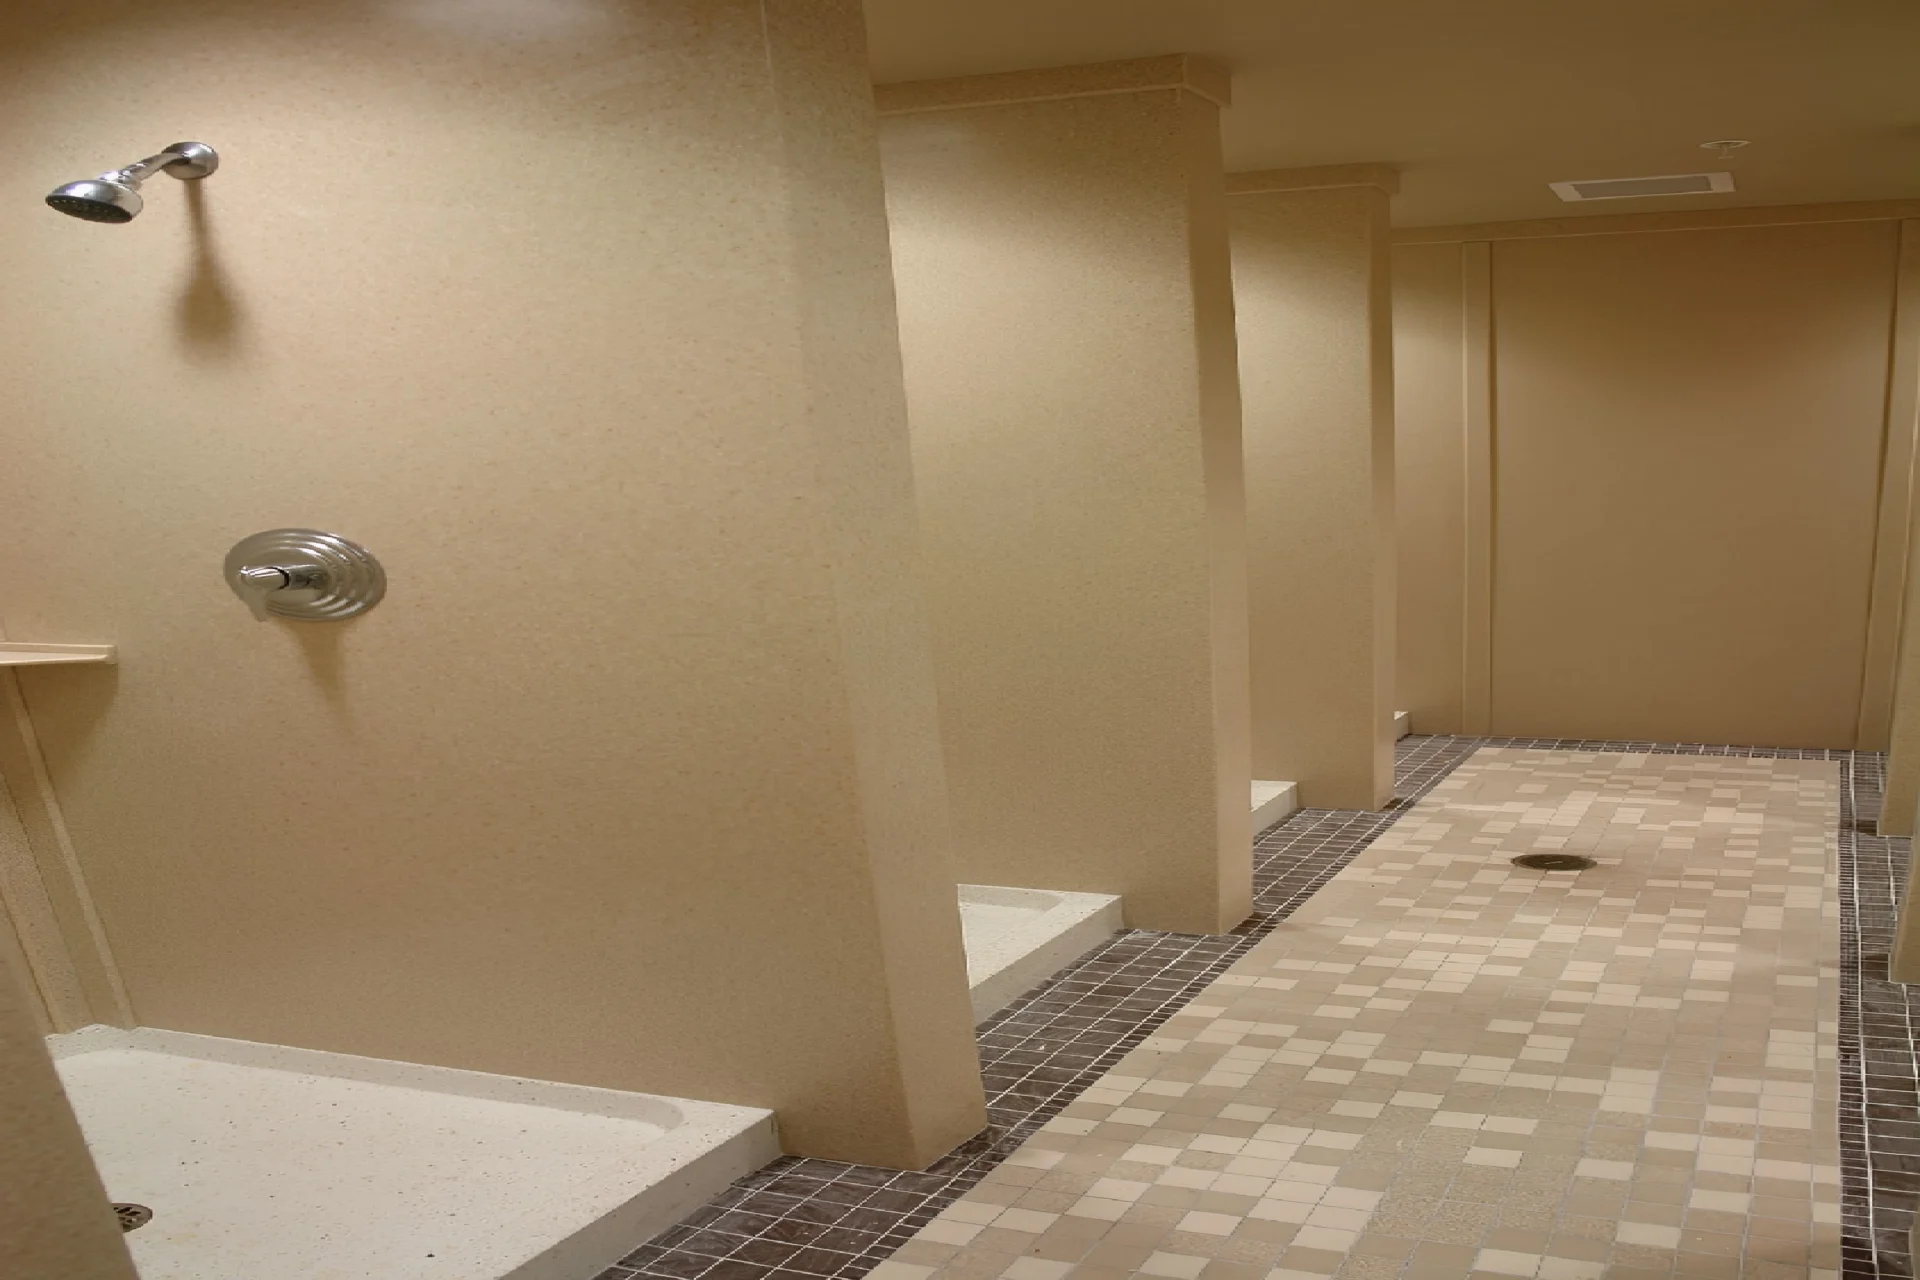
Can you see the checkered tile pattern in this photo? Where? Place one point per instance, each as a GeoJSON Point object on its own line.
{"type": "Point", "coordinates": [1446, 1066]}
{"type": "Point", "coordinates": [811, 1218]}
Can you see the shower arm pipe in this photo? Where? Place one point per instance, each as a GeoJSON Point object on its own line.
{"type": "Point", "coordinates": [141, 170]}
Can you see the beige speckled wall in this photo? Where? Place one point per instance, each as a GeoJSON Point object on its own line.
{"type": "Point", "coordinates": [1689, 432]}
{"type": "Point", "coordinates": [1430, 492]}
{"type": "Point", "coordinates": [1066, 315]}
{"type": "Point", "coordinates": [1655, 483]}
{"type": "Point", "coordinates": [16, 962]}
{"type": "Point", "coordinates": [1902, 737]}
{"type": "Point", "coordinates": [577, 313]}
{"type": "Point", "coordinates": [1310, 266]}
{"type": "Point", "coordinates": [55, 1219]}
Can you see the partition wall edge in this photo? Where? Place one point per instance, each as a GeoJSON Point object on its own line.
{"type": "Point", "coordinates": [1067, 323]}
{"type": "Point", "coordinates": [57, 1220]}
{"type": "Point", "coordinates": [43, 887]}
{"type": "Point", "coordinates": [1312, 272]}
{"type": "Point", "coordinates": [1892, 698]}
{"type": "Point", "coordinates": [1476, 295]}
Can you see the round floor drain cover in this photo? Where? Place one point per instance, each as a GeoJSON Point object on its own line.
{"type": "Point", "coordinates": [132, 1216]}
{"type": "Point", "coordinates": [1553, 862]}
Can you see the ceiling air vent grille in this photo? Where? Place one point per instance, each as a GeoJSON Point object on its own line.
{"type": "Point", "coordinates": [1671, 184]}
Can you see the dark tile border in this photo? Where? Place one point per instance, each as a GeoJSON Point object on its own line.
{"type": "Point", "coordinates": [1879, 1097]}
{"type": "Point", "coordinates": [832, 1221]}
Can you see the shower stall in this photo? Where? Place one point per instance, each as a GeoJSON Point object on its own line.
{"type": "Point", "coordinates": [491, 906]}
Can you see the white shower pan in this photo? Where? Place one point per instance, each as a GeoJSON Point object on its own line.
{"type": "Point", "coordinates": [262, 1161]}
{"type": "Point", "coordinates": [1273, 802]}
{"type": "Point", "coordinates": [1018, 938]}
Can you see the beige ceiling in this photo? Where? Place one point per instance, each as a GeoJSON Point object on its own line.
{"type": "Point", "coordinates": [1481, 103]}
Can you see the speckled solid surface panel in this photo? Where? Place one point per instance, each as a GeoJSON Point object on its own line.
{"type": "Point", "coordinates": [579, 317]}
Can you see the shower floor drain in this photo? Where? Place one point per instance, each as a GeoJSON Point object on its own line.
{"type": "Point", "coordinates": [1554, 862]}
{"type": "Point", "coordinates": [132, 1216]}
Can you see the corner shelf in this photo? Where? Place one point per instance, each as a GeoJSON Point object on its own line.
{"type": "Point", "coordinates": [15, 653]}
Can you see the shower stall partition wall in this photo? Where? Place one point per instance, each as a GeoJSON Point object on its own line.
{"type": "Point", "coordinates": [580, 317]}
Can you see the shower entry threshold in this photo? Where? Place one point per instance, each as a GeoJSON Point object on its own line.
{"type": "Point", "coordinates": [264, 1161]}
{"type": "Point", "coordinates": [1018, 938]}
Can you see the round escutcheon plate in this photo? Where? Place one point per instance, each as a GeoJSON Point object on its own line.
{"type": "Point", "coordinates": [351, 580]}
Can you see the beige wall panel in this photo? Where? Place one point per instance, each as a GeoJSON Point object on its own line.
{"type": "Point", "coordinates": [1311, 272]}
{"type": "Point", "coordinates": [1688, 431]}
{"type": "Point", "coordinates": [61, 935]}
{"type": "Point", "coordinates": [578, 317]}
{"type": "Point", "coordinates": [55, 1219]}
{"type": "Point", "coordinates": [44, 973]}
{"type": "Point", "coordinates": [1897, 569]}
{"type": "Point", "coordinates": [1430, 467]}
{"type": "Point", "coordinates": [1066, 318]}
{"type": "Point", "coordinates": [1893, 535]}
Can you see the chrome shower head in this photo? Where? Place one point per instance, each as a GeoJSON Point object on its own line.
{"type": "Point", "coordinates": [115, 196]}
{"type": "Point", "coordinates": [97, 200]}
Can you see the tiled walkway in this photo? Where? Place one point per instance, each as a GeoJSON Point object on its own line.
{"type": "Point", "coordinates": [1446, 1066]}
{"type": "Point", "coordinates": [818, 1218]}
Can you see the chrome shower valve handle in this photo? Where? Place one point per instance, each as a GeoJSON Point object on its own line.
{"type": "Point", "coordinates": [257, 583]}
{"type": "Point", "coordinates": [304, 574]}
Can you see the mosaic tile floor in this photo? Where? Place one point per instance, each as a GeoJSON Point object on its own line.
{"type": "Point", "coordinates": [1617, 1073]}
{"type": "Point", "coordinates": [822, 1219]}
